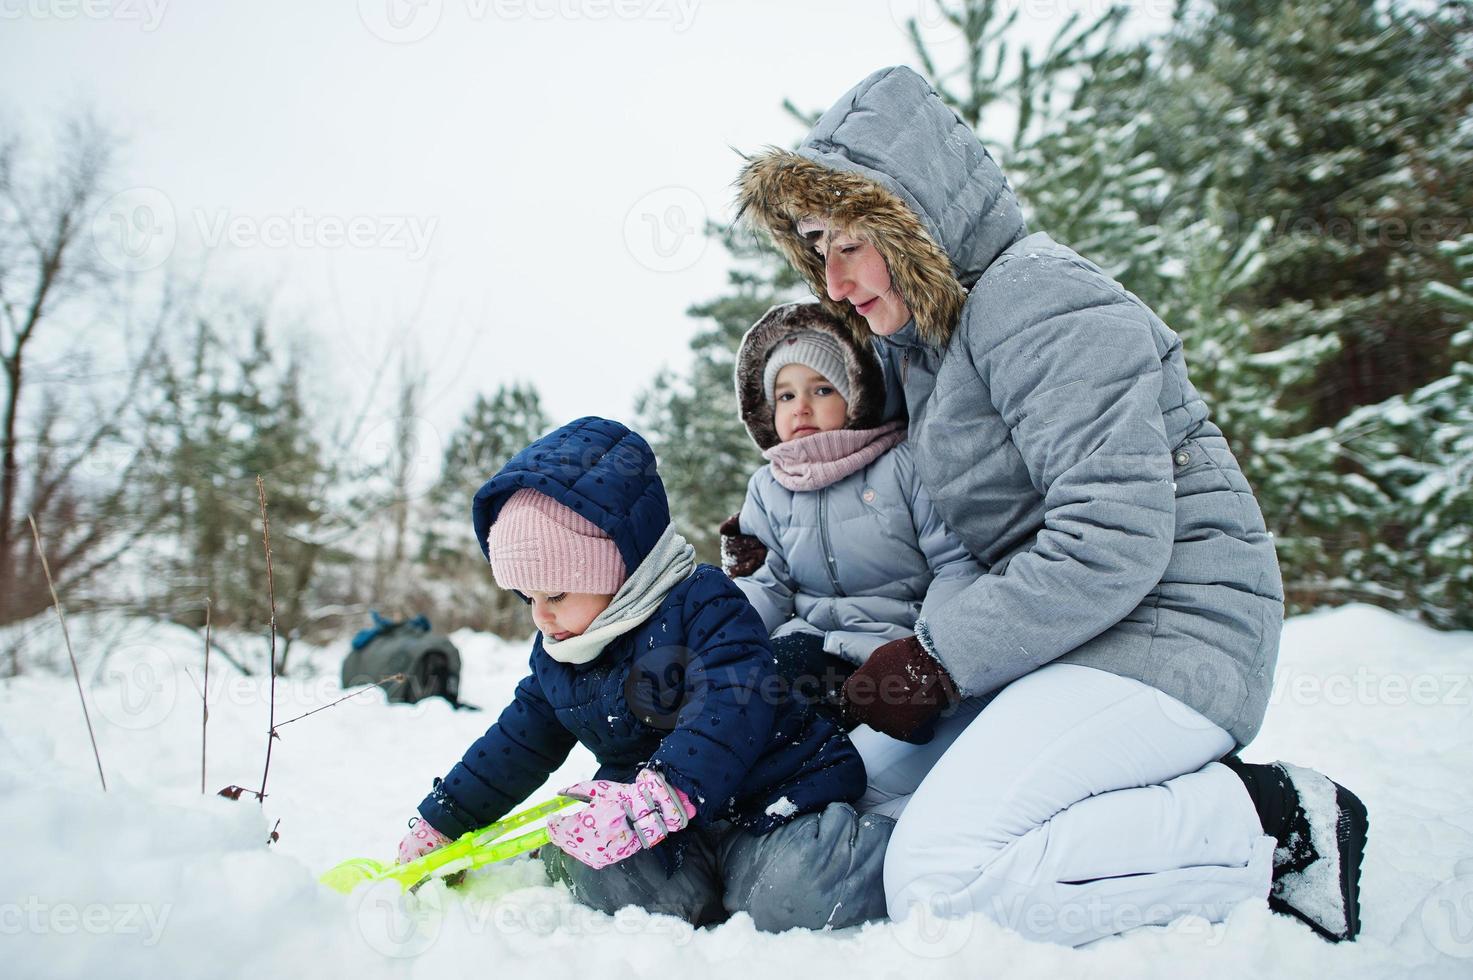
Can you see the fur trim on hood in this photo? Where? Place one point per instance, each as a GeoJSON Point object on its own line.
{"type": "Point", "coordinates": [779, 187]}
{"type": "Point", "coordinates": [891, 163]}
{"type": "Point", "coordinates": [866, 380]}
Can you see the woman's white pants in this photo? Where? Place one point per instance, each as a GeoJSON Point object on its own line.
{"type": "Point", "coordinates": [1076, 805]}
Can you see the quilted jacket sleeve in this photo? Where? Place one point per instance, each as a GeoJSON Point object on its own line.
{"type": "Point", "coordinates": [1074, 370]}
{"type": "Point", "coordinates": [950, 562]}
{"type": "Point", "coordinates": [502, 767]}
{"type": "Point", "coordinates": [727, 715]}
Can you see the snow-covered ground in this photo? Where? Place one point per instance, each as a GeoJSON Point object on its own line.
{"type": "Point", "coordinates": [155, 879]}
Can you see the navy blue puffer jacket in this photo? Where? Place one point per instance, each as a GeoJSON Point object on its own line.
{"type": "Point", "coordinates": [691, 692]}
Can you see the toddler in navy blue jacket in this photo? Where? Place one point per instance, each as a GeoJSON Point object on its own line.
{"type": "Point", "coordinates": [716, 792]}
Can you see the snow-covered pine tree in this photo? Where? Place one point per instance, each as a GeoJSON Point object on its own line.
{"type": "Point", "coordinates": [1084, 178]}
{"type": "Point", "coordinates": [1291, 466]}
{"type": "Point", "coordinates": [1340, 120]}
{"type": "Point", "coordinates": [1317, 117]}
{"type": "Point", "coordinates": [1417, 450]}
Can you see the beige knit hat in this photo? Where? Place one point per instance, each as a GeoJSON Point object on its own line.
{"type": "Point", "coordinates": [811, 349]}
{"type": "Point", "coordinates": [538, 545]}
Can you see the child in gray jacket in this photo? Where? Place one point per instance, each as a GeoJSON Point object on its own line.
{"type": "Point", "coordinates": [855, 549]}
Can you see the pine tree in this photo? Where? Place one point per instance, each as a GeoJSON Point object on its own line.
{"type": "Point", "coordinates": [1290, 469]}
{"type": "Point", "coordinates": [1084, 179]}
{"type": "Point", "coordinates": [456, 575]}
{"type": "Point", "coordinates": [1343, 125]}
{"type": "Point", "coordinates": [1340, 120]}
{"type": "Point", "coordinates": [231, 415]}
{"type": "Point", "coordinates": [704, 451]}
{"type": "Point", "coordinates": [1417, 451]}
{"type": "Point", "coordinates": [992, 73]}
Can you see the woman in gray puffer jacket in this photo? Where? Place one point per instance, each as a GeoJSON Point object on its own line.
{"type": "Point", "coordinates": [1129, 620]}
{"type": "Point", "coordinates": [856, 551]}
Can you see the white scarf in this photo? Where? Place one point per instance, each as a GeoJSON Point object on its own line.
{"type": "Point", "coordinates": [669, 563]}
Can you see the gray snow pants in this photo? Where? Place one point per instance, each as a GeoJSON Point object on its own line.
{"type": "Point", "coordinates": [821, 870]}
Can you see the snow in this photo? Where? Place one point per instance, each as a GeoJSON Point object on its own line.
{"type": "Point", "coordinates": [781, 808]}
{"type": "Point", "coordinates": [155, 879]}
{"type": "Point", "coordinates": [1315, 891]}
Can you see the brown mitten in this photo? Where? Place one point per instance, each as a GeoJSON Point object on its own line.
{"type": "Point", "coordinates": [899, 690]}
{"type": "Point", "coordinates": [741, 554]}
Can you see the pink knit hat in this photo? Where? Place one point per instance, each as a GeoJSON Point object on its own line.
{"type": "Point", "coordinates": [538, 545]}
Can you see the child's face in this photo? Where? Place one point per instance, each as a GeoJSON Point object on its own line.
{"type": "Point", "coordinates": [805, 403]}
{"type": "Point", "coordinates": [559, 615]}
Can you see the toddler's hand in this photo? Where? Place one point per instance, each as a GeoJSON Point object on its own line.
{"type": "Point", "coordinates": [620, 819]}
{"type": "Point", "coordinates": [421, 840]}
{"type": "Point", "coordinates": [741, 554]}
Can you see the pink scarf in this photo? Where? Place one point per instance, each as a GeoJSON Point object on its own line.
{"type": "Point", "coordinates": [824, 458]}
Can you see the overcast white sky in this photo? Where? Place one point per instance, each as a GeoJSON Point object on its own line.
{"type": "Point", "coordinates": [514, 188]}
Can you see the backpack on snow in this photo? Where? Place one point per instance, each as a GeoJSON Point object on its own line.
{"type": "Point", "coordinates": [428, 660]}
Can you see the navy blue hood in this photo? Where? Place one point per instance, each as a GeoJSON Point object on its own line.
{"type": "Point", "coordinates": [601, 469]}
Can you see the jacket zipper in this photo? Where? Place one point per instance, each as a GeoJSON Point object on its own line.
{"type": "Point", "coordinates": [904, 366]}
{"type": "Point", "coordinates": [823, 536]}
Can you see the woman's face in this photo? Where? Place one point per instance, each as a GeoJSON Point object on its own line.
{"type": "Point", "coordinates": [855, 271]}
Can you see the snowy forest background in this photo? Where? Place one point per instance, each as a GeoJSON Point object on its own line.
{"type": "Point", "coordinates": [1290, 185]}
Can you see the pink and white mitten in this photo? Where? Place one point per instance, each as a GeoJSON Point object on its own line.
{"type": "Point", "coordinates": [620, 819]}
{"type": "Point", "coordinates": [421, 840]}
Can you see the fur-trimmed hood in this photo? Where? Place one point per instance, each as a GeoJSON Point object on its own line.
{"type": "Point", "coordinates": [891, 163]}
{"type": "Point", "coordinates": [866, 381]}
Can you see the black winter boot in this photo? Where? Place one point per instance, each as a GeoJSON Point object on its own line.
{"type": "Point", "coordinates": [1321, 831]}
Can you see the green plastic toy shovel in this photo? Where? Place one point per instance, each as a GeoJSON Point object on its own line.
{"type": "Point", "coordinates": [473, 850]}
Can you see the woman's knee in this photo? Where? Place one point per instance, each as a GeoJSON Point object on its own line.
{"type": "Point", "coordinates": [943, 883]}
{"type": "Point", "coordinates": [930, 864]}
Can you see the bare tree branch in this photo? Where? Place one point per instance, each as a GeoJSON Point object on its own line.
{"type": "Point", "coordinates": [49, 214]}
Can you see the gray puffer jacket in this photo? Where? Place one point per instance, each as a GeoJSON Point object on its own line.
{"type": "Point", "coordinates": [1051, 418]}
{"type": "Point", "coordinates": [861, 559]}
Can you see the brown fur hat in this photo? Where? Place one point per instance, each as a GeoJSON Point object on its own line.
{"type": "Point", "coordinates": [778, 187]}
{"type": "Point", "coordinates": [866, 379]}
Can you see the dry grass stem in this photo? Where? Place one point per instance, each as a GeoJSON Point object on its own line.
{"type": "Point", "coordinates": [66, 638]}
{"type": "Point", "coordinates": [390, 677]}
{"type": "Point", "coordinates": [271, 594]}
{"type": "Point", "coordinates": [204, 721]}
